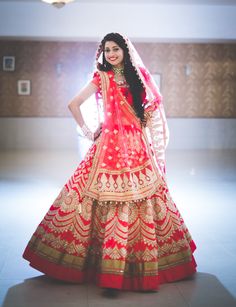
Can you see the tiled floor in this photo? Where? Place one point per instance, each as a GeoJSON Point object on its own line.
{"type": "Point", "coordinates": [203, 185]}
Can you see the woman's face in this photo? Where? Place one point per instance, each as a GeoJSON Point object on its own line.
{"type": "Point", "coordinates": [114, 54]}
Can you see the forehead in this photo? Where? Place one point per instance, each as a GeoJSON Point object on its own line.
{"type": "Point", "coordinates": [110, 44]}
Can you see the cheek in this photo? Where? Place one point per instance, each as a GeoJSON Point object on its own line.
{"type": "Point", "coordinates": [121, 54]}
{"type": "Point", "coordinates": [106, 56]}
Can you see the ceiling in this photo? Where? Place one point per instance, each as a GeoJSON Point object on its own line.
{"type": "Point", "coordinates": [199, 2]}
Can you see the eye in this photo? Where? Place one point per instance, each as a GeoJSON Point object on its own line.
{"type": "Point", "coordinates": [116, 49]}
{"type": "Point", "coordinates": [107, 50]}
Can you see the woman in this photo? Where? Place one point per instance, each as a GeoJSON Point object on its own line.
{"type": "Point", "coordinates": [114, 222]}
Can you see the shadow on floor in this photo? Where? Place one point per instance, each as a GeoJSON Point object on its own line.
{"type": "Point", "coordinates": [202, 290]}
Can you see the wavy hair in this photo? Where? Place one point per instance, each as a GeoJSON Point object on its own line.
{"type": "Point", "coordinates": [135, 85]}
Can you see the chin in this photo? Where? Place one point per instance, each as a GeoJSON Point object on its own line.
{"type": "Point", "coordinates": [114, 63]}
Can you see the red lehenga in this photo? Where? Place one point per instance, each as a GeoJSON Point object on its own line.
{"type": "Point", "coordinates": [114, 222]}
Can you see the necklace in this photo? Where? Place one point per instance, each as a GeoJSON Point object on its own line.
{"type": "Point", "coordinates": [118, 71]}
{"type": "Point", "coordinates": [119, 77]}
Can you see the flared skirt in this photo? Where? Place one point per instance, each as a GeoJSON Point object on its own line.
{"type": "Point", "coordinates": [131, 245]}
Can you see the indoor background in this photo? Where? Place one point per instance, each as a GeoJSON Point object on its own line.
{"type": "Point", "coordinates": [190, 46]}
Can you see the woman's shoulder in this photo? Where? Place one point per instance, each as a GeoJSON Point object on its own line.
{"type": "Point", "coordinates": [96, 79]}
{"type": "Point", "coordinates": [96, 74]}
{"type": "Point", "coordinates": [99, 77]}
{"type": "Point", "coordinates": [100, 74]}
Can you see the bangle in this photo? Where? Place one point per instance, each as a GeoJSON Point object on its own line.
{"type": "Point", "coordinates": [87, 132]}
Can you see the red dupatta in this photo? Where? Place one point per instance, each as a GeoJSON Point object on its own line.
{"type": "Point", "coordinates": [123, 168]}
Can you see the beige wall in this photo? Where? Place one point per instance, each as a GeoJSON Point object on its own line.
{"type": "Point", "coordinates": [208, 91]}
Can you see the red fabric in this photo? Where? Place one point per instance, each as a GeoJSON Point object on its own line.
{"type": "Point", "coordinates": [124, 90]}
{"type": "Point", "coordinates": [119, 122]}
{"type": "Point", "coordinates": [108, 280]}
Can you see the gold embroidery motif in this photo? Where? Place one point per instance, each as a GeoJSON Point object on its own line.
{"type": "Point", "coordinates": [147, 223]}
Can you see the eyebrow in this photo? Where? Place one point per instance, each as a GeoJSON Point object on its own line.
{"type": "Point", "coordinates": [116, 46]}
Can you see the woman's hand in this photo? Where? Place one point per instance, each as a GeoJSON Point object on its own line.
{"type": "Point", "coordinates": [92, 136]}
{"type": "Point", "coordinates": [97, 132]}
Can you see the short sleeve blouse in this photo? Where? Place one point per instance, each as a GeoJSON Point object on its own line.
{"type": "Point", "coordinates": [96, 80]}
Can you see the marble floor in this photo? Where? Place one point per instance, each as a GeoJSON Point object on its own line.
{"type": "Point", "coordinates": [203, 185]}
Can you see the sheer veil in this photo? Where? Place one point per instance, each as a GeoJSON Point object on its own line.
{"type": "Point", "coordinates": [156, 119]}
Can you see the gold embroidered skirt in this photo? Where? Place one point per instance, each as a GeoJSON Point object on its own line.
{"type": "Point", "coordinates": [134, 244]}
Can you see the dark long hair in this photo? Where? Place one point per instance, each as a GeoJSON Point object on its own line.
{"type": "Point", "coordinates": [135, 85]}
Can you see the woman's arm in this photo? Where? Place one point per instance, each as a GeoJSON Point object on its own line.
{"type": "Point", "coordinates": [74, 107]}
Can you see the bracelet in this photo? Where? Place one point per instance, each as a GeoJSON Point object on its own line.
{"type": "Point", "coordinates": [87, 132]}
